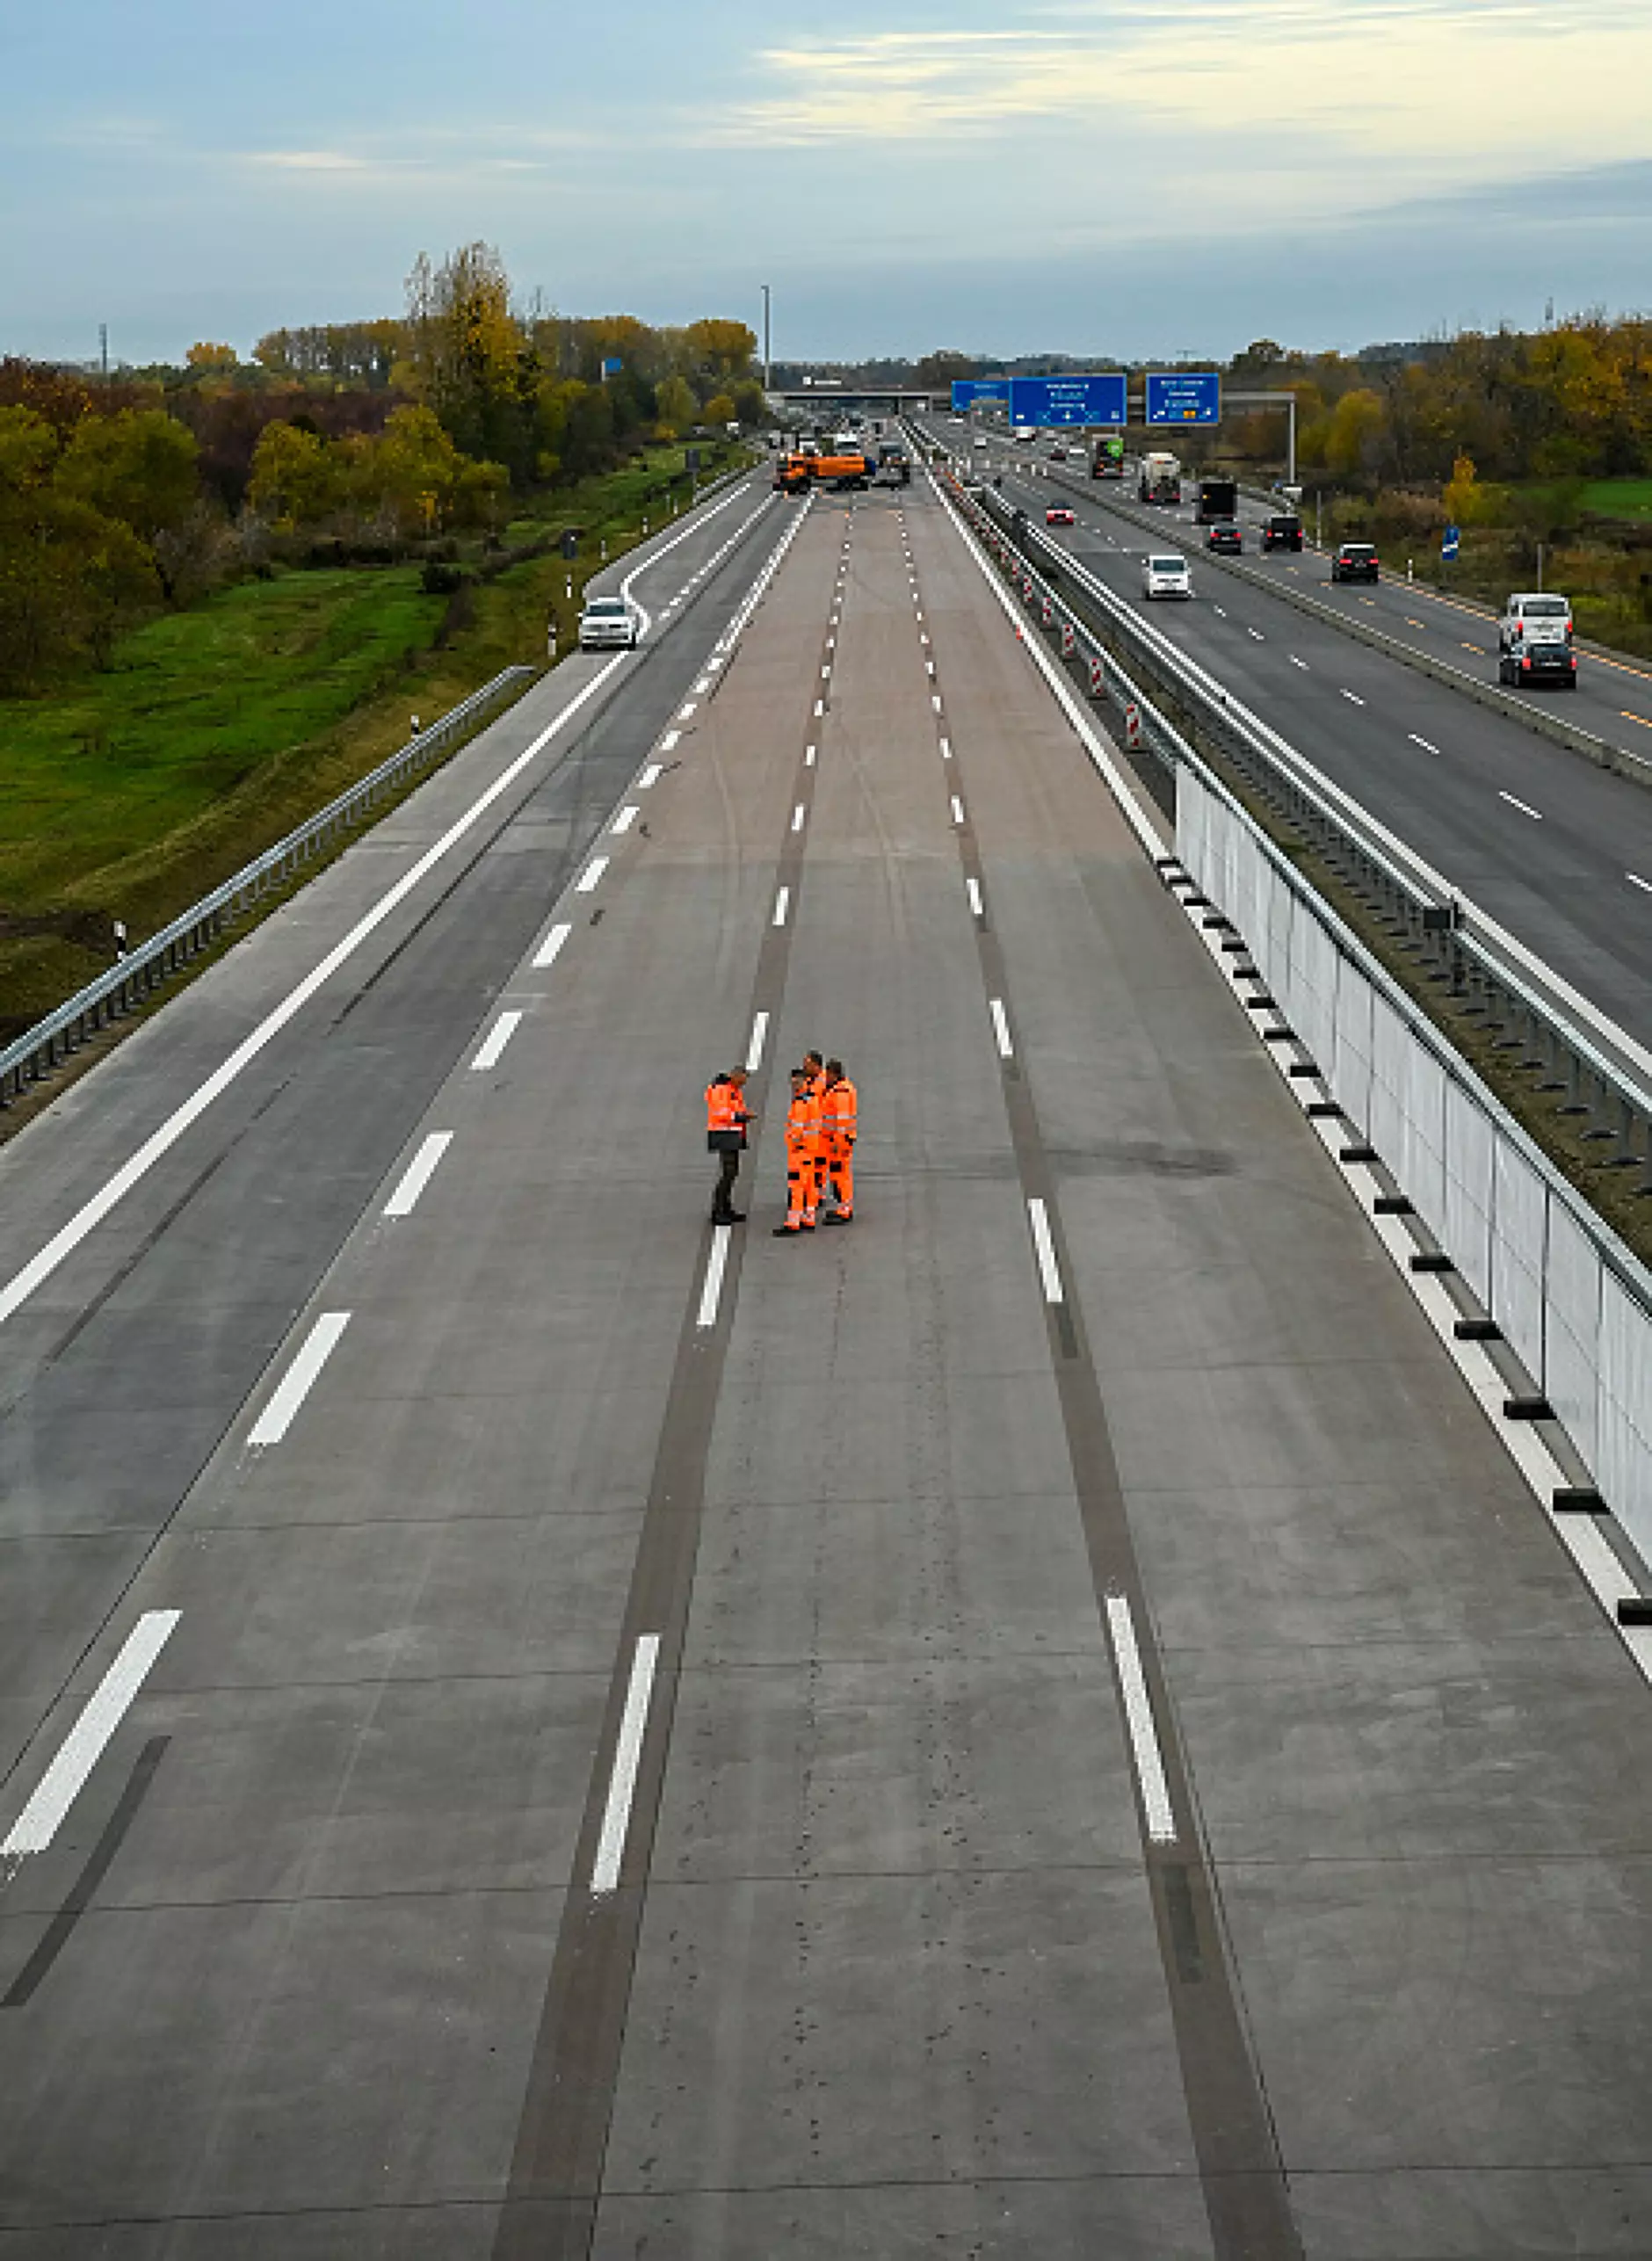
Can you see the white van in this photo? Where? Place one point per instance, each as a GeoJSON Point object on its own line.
{"type": "Point", "coordinates": [1554, 611]}
{"type": "Point", "coordinates": [1166, 576]}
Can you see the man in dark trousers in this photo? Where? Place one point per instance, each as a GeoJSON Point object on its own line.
{"type": "Point", "coordinates": [727, 1116]}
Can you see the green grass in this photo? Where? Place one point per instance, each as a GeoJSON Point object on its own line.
{"type": "Point", "coordinates": [1618, 498]}
{"type": "Point", "coordinates": [129, 796]}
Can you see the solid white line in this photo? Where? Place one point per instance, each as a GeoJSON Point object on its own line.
{"type": "Point", "coordinates": [1635, 881]}
{"type": "Point", "coordinates": [1353, 696]}
{"type": "Point", "coordinates": [797, 817]}
{"type": "Point", "coordinates": [669, 741]}
{"type": "Point", "coordinates": [418, 1174]}
{"type": "Point", "coordinates": [1524, 806]}
{"type": "Point", "coordinates": [546, 953]}
{"type": "Point", "coordinates": [86, 1740]}
{"type": "Point", "coordinates": [716, 1264]}
{"type": "Point", "coordinates": [592, 873]}
{"type": "Point", "coordinates": [1044, 1247]}
{"type": "Point", "coordinates": [496, 1040]}
{"type": "Point", "coordinates": [650, 776]}
{"type": "Point", "coordinates": [1138, 1711]}
{"type": "Point", "coordinates": [294, 1385]}
{"type": "Point", "coordinates": [1001, 1027]}
{"type": "Point", "coordinates": [1423, 743]}
{"type": "Point", "coordinates": [626, 818]}
{"type": "Point", "coordinates": [1302, 664]}
{"type": "Point", "coordinates": [972, 889]}
{"type": "Point", "coordinates": [616, 1819]}
{"type": "Point", "coordinates": [754, 1050]}
{"type": "Point", "coordinates": [958, 810]}
{"type": "Point", "coordinates": [40, 1267]}
{"type": "Point", "coordinates": [781, 903]}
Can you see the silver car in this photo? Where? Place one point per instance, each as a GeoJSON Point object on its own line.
{"type": "Point", "coordinates": [1166, 576]}
{"type": "Point", "coordinates": [608, 623]}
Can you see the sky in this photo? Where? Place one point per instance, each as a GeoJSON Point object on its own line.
{"type": "Point", "coordinates": [1175, 176]}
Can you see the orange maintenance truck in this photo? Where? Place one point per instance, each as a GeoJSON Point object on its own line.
{"type": "Point", "coordinates": [795, 474]}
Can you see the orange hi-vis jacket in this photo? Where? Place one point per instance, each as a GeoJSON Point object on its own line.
{"type": "Point", "coordinates": [840, 1116]}
{"type": "Point", "coordinates": [802, 1130]}
{"type": "Point", "coordinates": [725, 1109]}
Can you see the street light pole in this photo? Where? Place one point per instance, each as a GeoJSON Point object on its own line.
{"type": "Point", "coordinates": [767, 365]}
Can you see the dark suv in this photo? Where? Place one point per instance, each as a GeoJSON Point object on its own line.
{"type": "Point", "coordinates": [1356, 561]}
{"type": "Point", "coordinates": [1281, 533]}
{"type": "Point", "coordinates": [1225, 535]}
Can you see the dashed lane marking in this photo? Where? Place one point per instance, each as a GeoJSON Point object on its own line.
{"type": "Point", "coordinates": [1524, 806]}
{"type": "Point", "coordinates": [418, 1174]}
{"type": "Point", "coordinates": [299, 1378]}
{"type": "Point", "coordinates": [548, 952]}
{"type": "Point", "coordinates": [87, 1740]}
{"type": "Point", "coordinates": [495, 1042]}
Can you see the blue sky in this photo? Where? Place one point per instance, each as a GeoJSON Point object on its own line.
{"type": "Point", "coordinates": [1077, 176]}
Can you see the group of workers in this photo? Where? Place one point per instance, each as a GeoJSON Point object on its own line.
{"type": "Point", "coordinates": [821, 1127]}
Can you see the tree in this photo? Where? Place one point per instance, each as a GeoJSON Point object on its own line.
{"type": "Point", "coordinates": [468, 358]}
{"type": "Point", "coordinates": [1357, 425]}
{"type": "Point", "coordinates": [718, 348]}
{"type": "Point", "coordinates": [294, 475]}
{"type": "Point", "coordinates": [938, 373]}
{"type": "Point", "coordinates": [208, 358]}
{"type": "Point", "coordinates": [69, 576]}
{"type": "Point", "coordinates": [721, 409]}
{"type": "Point", "coordinates": [677, 407]}
{"type": "Point", "coordinates": [139, 465]}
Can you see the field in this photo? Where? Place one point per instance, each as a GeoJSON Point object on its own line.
{"type": "Point", "coordinates": [128, 796]}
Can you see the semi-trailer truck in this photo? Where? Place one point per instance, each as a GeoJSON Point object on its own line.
{"type": "Point", "coordinates": [1108, 460]}
{"type": "Point", "coordinates": [1161, 479]}
{"type": "Point", "coordinates": [1216, 501]}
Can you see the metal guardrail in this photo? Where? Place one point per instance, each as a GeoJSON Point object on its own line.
{"type": "Point", "coordinates": [1600, 1082]}
{"type": "Point", "coordinates": [128, 984]}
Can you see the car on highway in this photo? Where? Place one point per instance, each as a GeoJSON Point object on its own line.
{"type": "Point", "coordinates": [1283, 531]}
{"type": "Point", "coordinates": [608, 622]}
{"type": "Point", "coordinates": [1058, 515]}
{"type": "Point", "coordinates": [1166, 576]}
{"type": "Point", "coordinates": [1228, 535]}
{"type": "Point", "coordinates": [1058, 455]}
{"type": "Point", "coordinates": [1356, 561]}
{"type": "Point", "coordinates": [1530, 607]}
{"type": "Point", "coordinates": [1539, 650]}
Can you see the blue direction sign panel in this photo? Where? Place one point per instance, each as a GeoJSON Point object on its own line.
{"type": "Point", "coordinates": [1449, 546]}
{"type": "Point", "coordinates": [1183, 396]}
{"type": "Point", "coordinates": [1068, 400]}
{"type": "Point", "coordinates": [965, 389]}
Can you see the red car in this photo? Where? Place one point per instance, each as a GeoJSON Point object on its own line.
{"type": "Point", "coordinates": [1058, 515]}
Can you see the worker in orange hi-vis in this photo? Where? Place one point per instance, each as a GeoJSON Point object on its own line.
{"type": "Point", "coordinates": [840, 1121]}
{"type": "Point", "coordinates": [803, 1157]}
{"type": "Point", "coordinates": [727, 1117]}
{"type": "Point", "coordinates": [815, 1069]}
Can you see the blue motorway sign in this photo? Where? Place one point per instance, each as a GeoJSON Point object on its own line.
{"type": "Point", "coordinates": [1183, 396]}
{"type": "Point", "coordinates": [1448, 547]}
{"type": "Point", "coordinates": [965, 389]}
{"type": "Point", "coordinates": [613, 366]}
{"type": "Point", "coordinates": [1067, 399]}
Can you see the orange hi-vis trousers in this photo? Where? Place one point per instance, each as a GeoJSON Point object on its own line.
{"type": "Point", "coordinates": [838, 1174]}
{"type": "Point", "coordinates": [802, 1161]}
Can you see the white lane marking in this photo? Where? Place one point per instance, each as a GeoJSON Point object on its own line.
{"type": "Point", "coordinates": [716, 1265]}
{"type": "Point", "coordinates": [1138, 1711]}
{"type": "Point", "coordinates": [592, 873]}
{"type": "Point", "coordinates": [946, 749]}
{"type": "Point", "coordinates": [1423, 743]}
{"type": "Point", "coordinates": [547, 952]}
{"type": "Point", "coordinates": [1354, 698]}
{"type": "Point", "coordinates": [782, 902]}
{"type": "Point", "coordinates": [825, 675]}
{"type": "Point", "coordinates": [685, 710]}
{"type": "Point", "coordinates": [496, 1040]}
{"type": "Point", "coordinates": [1524, 806]}
{"type": "Point", "coordinates": [754, 1050]}
{"type": "Point", "coordinates": [923, 641]}
{"type": "Point", "coordinates": [935, 700]}
{"type": "Point", "coordinates": [929, 665]}
{"type": "Point", "coordinates": [1257, 634]}
{"type": "Point", "coordinates": [1302, 664]}
{"type": "Point", "coordinates": [820, 706]}
{"type": "Point", "coordinates": [1049, 1270]}
{"type": "Point", "coordinates": [808, 757]}
{"type": "Point", "coordinates": [650, 776]}
{"type": "Point", "coordinates": [626, 818]}
{"type": "Point", "coordinates": [1001, 1027]}
{"type": "Point", "coordinates": [1221, 609]}
{"type": "Point", "coordinates": [616, 1820]}
{"type": "Point", "coordinates": [702, 686]}
{"type": "Point", "coordinates": [670, 739]}
{"type": "Point", "coordinates": [958, 810]}
{"type": "Point", "coordinates": [87, 1740]}
{"type": "Point", "coordinates": [831, 643]}
{"type": "Point", "coordinates": [917, 616]}
{"type": "Point", "coordinates": [797, 817]}
{"type": "Point", "coordinates": [1635, 881]}
{"type": "Point", "coordinates": [40, 1267]}
{"type": "Point", "coordinates": [972, 889]}
{"type": "Point", "coordinates": [296, 1383]}
{"type": "Point", "coordinates": [418, 1174]}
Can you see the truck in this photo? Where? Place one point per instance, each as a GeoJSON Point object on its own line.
{"type": "Point", "coordinates": [1216, 501]}
{"type": "Point", "coordinates": [1161, 479]}
{"type": "Point", "coordinates": [795, 474]}
{"type": "Point", "coordinates": [1108, 460]}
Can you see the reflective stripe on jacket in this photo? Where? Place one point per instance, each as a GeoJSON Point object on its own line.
{"type": "Point", "coordinates": [725, 1109]}
{"type": "Point", "coordinates": [802, 1126]}
{"type": "Point", "coordinates": [840, 1111]}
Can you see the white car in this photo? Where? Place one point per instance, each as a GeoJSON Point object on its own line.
{"type": "Point", "coordinates": [1166, 576]}
{"type": "Point", "coordinates": [1554, 613]}
{"type": "Point", "coordinates": [608, 623]}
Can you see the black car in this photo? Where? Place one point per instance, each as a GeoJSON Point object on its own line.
{"type": "Point", "coordinates": [1356, 561]}
{"type": "Point", "coordinates": [1281, 533]}
{"type": "Point", "coordinates": [1530, 663]}
{"type": "Point", "coordinates": [1225, 535]}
